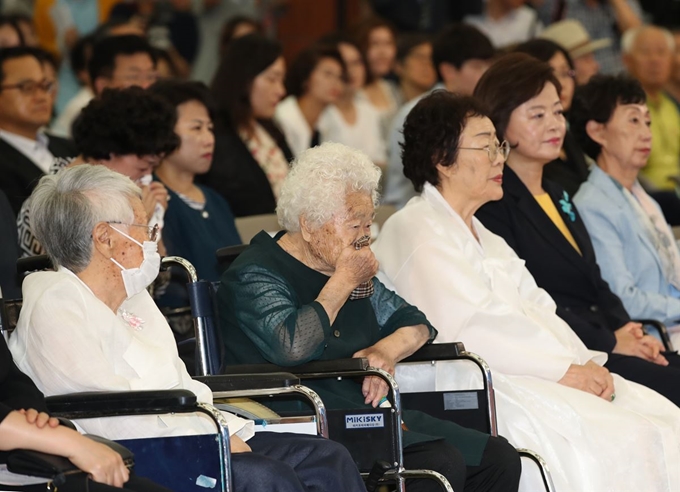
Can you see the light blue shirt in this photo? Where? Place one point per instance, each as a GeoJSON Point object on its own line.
{"type": "Point", "coordinates": [626, 256]}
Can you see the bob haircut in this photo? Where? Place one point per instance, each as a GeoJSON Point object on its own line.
{"type": "Point", "coordinates": [596, 101]}
{"type": "Point", "coordinates": [66, 206]}
{"type": "Point", "coordinates": [510, 82]}
{"type": "Point", "coordinates": [432, 133]}
{"type": "Point", "coordinates": [179, 92]}
{"type": "Point", "coordinates": [244, 59]}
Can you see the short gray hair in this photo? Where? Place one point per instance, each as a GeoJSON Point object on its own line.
{"type": "Point", "coordinates": [66, 206]}
{"type": "Point", "coordinates": [318, 183]}
{"type": "Point", "coordinates": [630, 36]}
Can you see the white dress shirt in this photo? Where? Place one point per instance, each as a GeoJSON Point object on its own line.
{"type": "Point", "coordinates": [35, 150]}
{"type": "Point", "coordinates": [293, 124]}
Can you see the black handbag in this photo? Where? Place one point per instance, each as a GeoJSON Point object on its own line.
{"type": "Point", "coordinates": [57, 468]}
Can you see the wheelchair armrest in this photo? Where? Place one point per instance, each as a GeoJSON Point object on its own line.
{"type": "Point", "coordinates": [314, 367]}
{"type": "Point", "coordinates": [437, 351]}
{"type": "Point", "coordinates": [66, 423]}
{"type": "Point", "coordinates": [238, 382]}
{"type": "Point", "coordinates": [111, 404]}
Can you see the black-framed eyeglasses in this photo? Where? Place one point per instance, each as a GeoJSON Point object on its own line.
{"type": "Point", "coordinates": [31, 87]}
{"type": "Point", "coordinates": [493, 149]}
{"type": "Point", "coordinates": [152, 231]}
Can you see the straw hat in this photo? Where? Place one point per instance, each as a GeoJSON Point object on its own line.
{"type": "Point", "coordinates": [573, 37]}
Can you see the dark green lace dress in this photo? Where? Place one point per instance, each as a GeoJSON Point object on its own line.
{"type": "Point", "coordinates": [268, 313]}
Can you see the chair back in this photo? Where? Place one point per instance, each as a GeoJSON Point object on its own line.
{"type": "Point", "coordinates": [249, 226]}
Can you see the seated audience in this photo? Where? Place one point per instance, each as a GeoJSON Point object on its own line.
{"type": "Point", "coordinates": [313, 82]}
{"type": "Point", "coordinates": [198, 221]}
{"type": "Point", "coordinates": [26, 100]}
{"type": "Point", "coordinates": [605, 20]}
{"type": "Point", "coordinates": [251, 154]}
{"type": "Point", "coordinates": [377, 41]}
{"type": "Point", "coordinates": [570, 169]}
{"type": "Point", "coordinates": [310, 293]}
{"type": "Point", "coordinates": [634, 245]}
{"type": "Point", "coordinates": [537, 219]}
{"type": "Point", "coordinates": [648, 55]}
{"type": "Point", "coordinates": [507, 22]}
{"type": "Point", "coordinates": [25, 425]}
{"type": "Point", "coordinates": [126, 130]}
{"type": "Point", "coordinates": [673, 87]}
{"type": "Point", "coordinates": [353, 121]}
{"type": "Point", "coordinates": [92, 326]}
{"type": "Point", "coordinates": [460, 54]}
{"type": "Point", "coordinates": [115, 62]}
{"type": "Point", "coordinates": [413, 66]}
{"type": "Point", "coordinates": [552, 394]}
{"type": "Point", "coordinates": [573, 37]}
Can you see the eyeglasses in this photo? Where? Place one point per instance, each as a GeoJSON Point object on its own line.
{"type": "Point", "coordinates": [152, 231]}
{"type": "Point", "coordinates": [493, 149]}
{"type": "Point", "coordinates": [30, 87]}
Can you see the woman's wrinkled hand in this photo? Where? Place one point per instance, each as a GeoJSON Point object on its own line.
{"type": "Point", "coordinates": [39, 419]}
{"type": "Point", "coordinates": [631, 340]}
{"type": "Point", "coordinates": [357, 265]}
{"type": "Point", "coordinates": [373, 387]}
{"type": "Point", "coordinates": [102, 463]}
{"type": "Point", "coordinates": [590, 378]}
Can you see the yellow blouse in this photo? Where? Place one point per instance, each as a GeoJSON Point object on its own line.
{"type": "Point", "coordinates": [550, 210]}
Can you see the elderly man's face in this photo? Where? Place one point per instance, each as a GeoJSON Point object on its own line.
{"type": "Point", "coordinates": [650, 59]}
{"type": "Point", "coordinates": [327, 242]}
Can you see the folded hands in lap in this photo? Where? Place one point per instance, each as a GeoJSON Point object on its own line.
{"type": "Point", "coordinates": [591, 378]}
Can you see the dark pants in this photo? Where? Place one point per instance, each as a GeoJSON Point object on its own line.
{"type": "Point", "coordinates": [80, 483]}
{"type": "Point", "coordinates": [662, 379]}
{"type": "Point", "coordinates": [498, 471]}
{"type": "Point", "coordinates": [282, 462]}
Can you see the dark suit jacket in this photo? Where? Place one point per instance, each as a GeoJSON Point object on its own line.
{"type": "Point", "coordinates": [18, 174]}
{"type": "Point", "coordinates": [236, 175]}
{"type": "Point", "coordinates": [569, 173]}
{"type": "Point", "coordinates": [583, 298]}
{"type": "Point", "coordinates": [9, 250]}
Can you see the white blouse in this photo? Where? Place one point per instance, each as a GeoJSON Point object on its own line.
{"type": "Point", "coordinates": [68, 341]}
{"type": "Point", "coordinates": [293, 124]}
{"type": "Point", "coordinates": [364, 134]}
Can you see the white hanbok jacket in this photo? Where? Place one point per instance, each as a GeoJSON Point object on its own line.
{"type": "Point", "coordinates": [480, 293]}
{"type": "Point", "coordinates": [69, 341]}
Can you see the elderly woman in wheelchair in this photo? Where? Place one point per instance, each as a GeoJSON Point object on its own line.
{"type": "Point", "coordinates": [92, 326]}
{"type": "Point", "coordinates": [310, 293]}
{"type": "Point", "coordinates": [25, 425]}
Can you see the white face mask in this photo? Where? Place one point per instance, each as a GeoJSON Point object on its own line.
{"type": "Point", "coordinates": [138, 279]}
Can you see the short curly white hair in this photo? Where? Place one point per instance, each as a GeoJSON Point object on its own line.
{"type": "Point", "coordinates": [319, 181]}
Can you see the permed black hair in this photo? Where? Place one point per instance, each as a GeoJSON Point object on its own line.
{"type": "Point", "coordinates": [129, 121]}
{"type": "Point", "coordinates": [432, 133]}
